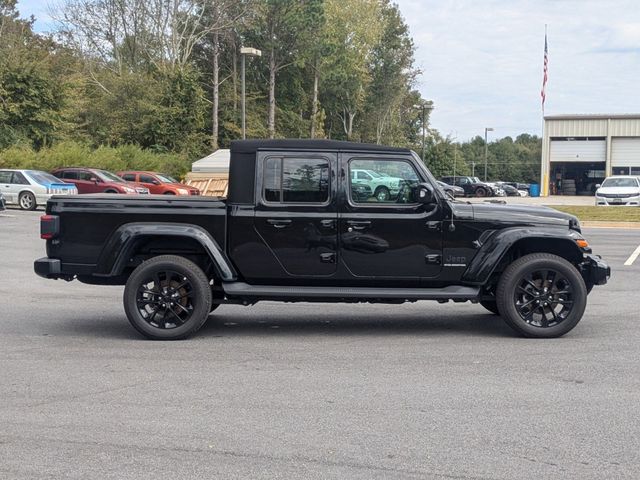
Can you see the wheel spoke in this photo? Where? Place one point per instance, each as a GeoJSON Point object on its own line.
{"type": "Point", "coordinates": [183, 308]}
{"type": "Point", "coordinates": [543, 321]}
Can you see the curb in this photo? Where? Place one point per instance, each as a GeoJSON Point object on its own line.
{"type": "Point", "coordinates": [625, 225]}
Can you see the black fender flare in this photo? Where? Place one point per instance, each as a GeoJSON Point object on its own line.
{"type": "Point", "coordinates": [495, 247]}
{"type": "Point", "coordinates": [119, 247]}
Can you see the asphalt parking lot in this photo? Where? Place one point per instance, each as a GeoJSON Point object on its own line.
{"type": "Point", "coordinates": [312, 391]}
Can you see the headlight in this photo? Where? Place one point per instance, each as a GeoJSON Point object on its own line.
{"type": "Point", "coordinates": [183, 191]}
{"type": "Point", "coordinates": [129, 190]}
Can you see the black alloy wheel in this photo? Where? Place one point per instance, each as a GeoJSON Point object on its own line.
{"type": "Point", "coordinates": [541, 295]}
{"type": "Point", "coordinates": [481, 192]}
{"type": "Point", "coordinates": [167, 298]}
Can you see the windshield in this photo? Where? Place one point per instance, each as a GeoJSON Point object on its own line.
{"type": "Point", "coordinates": [166, 178]}
{"type": "Point", "coordinates": [620, 182]}
{"type": "Point", "coordinates": [108, 176]}
{"type": "Point", "coordinates": [43, 178]}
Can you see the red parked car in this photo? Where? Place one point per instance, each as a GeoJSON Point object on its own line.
{"type": "Point", "coordinates": [159, 183]}
{"type": "Point", "coordinates": [92, 180]}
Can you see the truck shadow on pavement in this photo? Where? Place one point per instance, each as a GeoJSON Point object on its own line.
{"type": "Point", "coordinates": [230, 325]}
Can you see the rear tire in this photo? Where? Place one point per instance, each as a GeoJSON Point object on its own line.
{"type": "Point", "coordinates": [167, 298]}
{"type": "Point", "coordinates": [541, 296]}
{"type": "Point", "coordinates": [481, 192]}
{"type": "Point", "coordinates": [27, 201]}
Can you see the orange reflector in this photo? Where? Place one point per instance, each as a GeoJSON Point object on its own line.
{"type": "Point", "coordinates": [582, 243]}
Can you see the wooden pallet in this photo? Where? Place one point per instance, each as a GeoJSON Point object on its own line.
{"type": "Point", "coordinates": [209, 184]}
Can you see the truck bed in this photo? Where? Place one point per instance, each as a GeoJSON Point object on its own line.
{"type": "Point", "coordinates": [88, 221]}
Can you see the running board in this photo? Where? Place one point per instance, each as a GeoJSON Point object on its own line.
{"type": "Point", "coordinates": [452, 292]}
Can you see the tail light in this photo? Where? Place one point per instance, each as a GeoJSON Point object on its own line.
{"type": "Point", "coordinates": [49, 226]}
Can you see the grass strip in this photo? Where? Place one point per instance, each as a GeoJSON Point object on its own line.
{"type": "Point", "coordinates": [602, 214]}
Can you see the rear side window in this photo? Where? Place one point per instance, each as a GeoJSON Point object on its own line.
{"type": "Point", "coordinates": [87, 176]}
{"type": "Point", "coordinates": [296, 180]}
{"type": "Point", "coordinates": [5, 177]}
{"type": "Point", "coordinates": [130, 177]}
{"type": "Point", "coordinates": [19, 179]}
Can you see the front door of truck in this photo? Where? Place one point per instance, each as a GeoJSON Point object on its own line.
{"type": "Point", "coordinates": [296, 214]}
{"type": "Point", "coordinates": [391, 236]}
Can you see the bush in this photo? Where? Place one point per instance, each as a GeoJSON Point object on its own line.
{"type": "Point", "coordinates": [72, 154]}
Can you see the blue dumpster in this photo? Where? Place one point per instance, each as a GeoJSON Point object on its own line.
{"type": "Point", "coordinates": [534, 190]}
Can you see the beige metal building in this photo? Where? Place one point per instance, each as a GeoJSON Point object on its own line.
{"type": "Point", "coordinates": [579, 151]}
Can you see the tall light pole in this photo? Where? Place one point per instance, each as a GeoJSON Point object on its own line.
{"type": "Point", "coordinates": [486, 150]}
{"type": "Point", "coordinates": [252, 52]}
{"type": "Point", "coordinates": [425, 106]}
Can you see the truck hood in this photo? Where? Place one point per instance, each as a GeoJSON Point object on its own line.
{"type": "Point", "coordinates": [520, 215]}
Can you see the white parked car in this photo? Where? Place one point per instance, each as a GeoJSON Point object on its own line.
{"type": "Point", "coordinates": [30, 188]}
{"type": "Point", "coordinates": [619, 190]}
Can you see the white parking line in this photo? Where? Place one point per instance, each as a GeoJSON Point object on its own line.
{"type": "Point", "coordinates": [7, 216]}
{"type": "Point", "coordinates": [633, 257]}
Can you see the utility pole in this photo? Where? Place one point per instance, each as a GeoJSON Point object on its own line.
{"type": "Point", "coordinates": [486, 150]}
{"type": "Point", "coordinates": [253, 52]}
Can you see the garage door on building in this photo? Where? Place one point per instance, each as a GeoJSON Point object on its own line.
{"type": "Point", "coordinates": [586, 151]}
{"type": "Point", "coordinates": [625, 156]}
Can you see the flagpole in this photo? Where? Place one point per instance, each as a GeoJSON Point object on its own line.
{"type": "Point", "coordinates": [544, 161]}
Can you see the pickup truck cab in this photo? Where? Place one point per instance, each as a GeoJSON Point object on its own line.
{"type": "Point", "coordinates": [292, 229]}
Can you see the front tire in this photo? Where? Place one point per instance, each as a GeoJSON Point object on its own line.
{"type": "Point", "coordinates": [481, 192]}
{"type": "Point", "coordinates": [27, 201]}
{"type": "Point", "coordinates": [167, 298]}
{"type": "Point", "coordinates": [382, 194]}
{"type": "Point", "coordinates": [541, 296]}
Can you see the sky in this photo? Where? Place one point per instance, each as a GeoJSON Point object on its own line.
{"type": "Point", "coordinates": [481, 61]}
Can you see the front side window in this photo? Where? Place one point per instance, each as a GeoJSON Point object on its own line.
{"type": "Point", "coordinates": [129, 177]}
{"type": "Point", "coordinates": [69, 175]}
{"type": "Point", "coordinates": [146, 179]}
{"type": "Point", "coordinates": [383, 181]}
{"type": "Point", "coordinates": [296, 180]}
{"type": "Point", "coordinates": [86, 176]}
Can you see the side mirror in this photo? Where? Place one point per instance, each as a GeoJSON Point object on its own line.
{"type": "Point", "coordinates": [425, 194]}
{"type": "Point", "coordinates": [94, 179]}
{"type": "Point", "coordinates": [598, 185]}
{"type": "Point", "coordinates": [155, 182]}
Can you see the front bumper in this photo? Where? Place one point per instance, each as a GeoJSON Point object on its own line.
{"type": "Point", "coordinates": [618, 202]}
{"type": "Point", "coordinates": [594, 270]}
{"type": "Point", "coordinates": [48, 267]}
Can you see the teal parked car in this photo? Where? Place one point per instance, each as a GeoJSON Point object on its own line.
{"type": "Point", "coordinates": [383, 186]}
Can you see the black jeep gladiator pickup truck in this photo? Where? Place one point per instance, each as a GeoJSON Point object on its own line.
{"type": "Point", "coordinates": [294, 229]}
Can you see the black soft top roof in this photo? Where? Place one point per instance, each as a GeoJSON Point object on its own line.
{"type": "Point", "coordinates": [251, 146]}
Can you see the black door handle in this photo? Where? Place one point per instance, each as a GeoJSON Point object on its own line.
{"type": "Point", "coordinates": [359, 224]}
{"type": "Point", "coordinates": [279, 222]}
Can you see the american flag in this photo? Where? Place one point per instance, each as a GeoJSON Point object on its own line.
{"type": "Point", "coordinates": [546, 68]}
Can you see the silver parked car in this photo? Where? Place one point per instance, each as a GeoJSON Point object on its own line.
{"type": "Point", "coordinates": [619, 190]}
{"type": "Point", "coordinates": [30, 188]}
